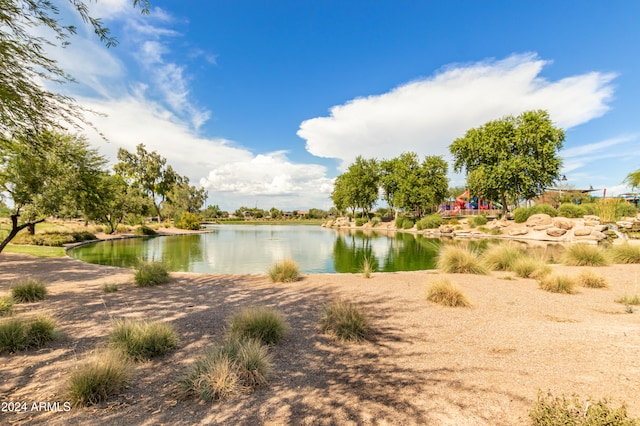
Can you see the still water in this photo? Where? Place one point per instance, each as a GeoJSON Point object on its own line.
{"type": "Point", "coordinates": [252, 249]}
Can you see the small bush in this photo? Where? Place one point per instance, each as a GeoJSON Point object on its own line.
{"type": "Point", "coordinates": [501, 257]}
{"type": "Point", "coordinates": [478, 221]}
{"type": "Point", "coordinates": [530, 267]}
{"type": "Point", "coordinates": [18, 334]}
{"type": "Point", "coordinates": [629, 300]}
{"type": "Point", "coordinates": [376, 220]}
{"type": "Point", "coordinates": [98, 378]}
{"type": "Point", "coordinates": [142, 340]}
{"type": "Point", "coordinates": [367, 267]}
{"type": "Point", "coordinates": [545, 208]}
{"type": "Point", "coordinates": [110, 288]}
{"type": "Point", "coordinates": [558, 284]}
{"type": "Point", "coordinates": [607, 210]}
{"type": "Point", "coordinates": [431, 221]}
{"type": "Point", "coordinates": [123, 228]}
{"type": "Point", "coordinates": [590, 208]}
{"type": "Point", "coordinates": [188, 220]}
{"type": "Point", "coordinates": [360, 221]}
{"type": "Point", "coordinates": [150, 274]}
{"type": "Point", "coordinates": [403, 222]}
{"type": "Point", "coordinates": [454, 259]}
{"type": "Point", "coordinates": [553, 411]}
{"type": "Point", "coordinates": [285, 271]}
{"type": "Point", "coordinates": [583, 255]}
{"type": "Point", "coordinates": [592, 280]}
{"type": "Point", "coordinates": [28, 290]}
{"type": "Point", "coordinates": [624, 209]}
{"type": "Point", "coordinates": [521, 214]}
{"type": "Point", "coordinates": [443, 292]}
{"type": "Point", "coordinates": [228, 369]}
{"type": "Point", "coordinates": [571, 210]}
{"type": "Point", "coordinates": [145, 231]}
{"type": "Point", "coordinates": [83, 236]}
{"type": "Point", "coordinates": [6, 305]}
{"type": "Point", "coordinates": [345, 321]}
{"type": "Point", "coordinates": [265, 325]}
{"type": "Point", "coordinates": [625, 253]}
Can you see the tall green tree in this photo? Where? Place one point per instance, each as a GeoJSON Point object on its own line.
{"type": "Point", "coordinates": [357, 188]}
{"type": "Point", "coordinates": [25, 104]}
{"type": "Point", "coordinates": [390, 182]}
{"type": "Point", "coordinates": [149, 172]}
{"type": "Point", "coordinates": [420, 185]}
{"type": "Point", "coordinates": [633, 179]}
{"type": "Point", "coordinates": [510, 158]}
{"type": "Point", "coordinates": [183, 197]}
{"type": "Point", "coordinates": [43, 173]}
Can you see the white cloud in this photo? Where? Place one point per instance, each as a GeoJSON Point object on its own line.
{"type": "Point", "coordinates": [426, 115]}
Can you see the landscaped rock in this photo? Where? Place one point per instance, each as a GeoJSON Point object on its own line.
{"type": "Point", "coordinates": [625, 224]}
{"type": "Point", "coordinates": [591, 217]}
{"type": "Point", "coordinates": [538, 219]}
{"type": "Point", "coordinates": [591, 222]}
{"type": "Point", "coordinates": [562, 223]}
{"type": "Point", "coordinates": [597, 235]}
{"type": "Point", "coordinates": [446, 229]}
{"type": "Point", "coordinates": [542, 227]}
{"type": "Point", "coordinates": [556, 232]}
{"type": "Point", "coordinates": [514, 232]}
{"type": "Point", "coordinates": [582, 231]}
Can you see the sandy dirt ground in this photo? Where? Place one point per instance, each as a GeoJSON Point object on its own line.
{"type": "Point", "coordinates": [428, 364]}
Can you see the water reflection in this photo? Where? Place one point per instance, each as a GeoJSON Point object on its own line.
{"type": "Point", "coordinates": [252, 249]}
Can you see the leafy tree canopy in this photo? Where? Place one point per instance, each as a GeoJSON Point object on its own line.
{"type": "Point", "coordinates": [510, 158]}
{"type": "Point", "coordinates": [633, 179]}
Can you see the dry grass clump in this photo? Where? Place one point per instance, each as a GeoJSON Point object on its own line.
{"type": "Point", "coordinates": [501, 257]}
{"type": "Point", "coordinates": [455, 259]}
{"type": "Point", "coordinates": [97, 378]}
{"type": "Point", "coordinates": [17, 334]}
{"type": "Point", "coordinates": [562, 410]}
{"type": "Point", "coordinates": [285, 271]}
{"type": "Point", "coordinates": [558, 284]}
{"type": "Point", "coordinates": [345, 321]}
{"type": "Point", "coordinates": [28, 290]}
{"type": "Point", "coordinates": [592, 280]}
{"type": "Point", "coordinates": [530, 267]}
{"type": "Point", "coordinates": [443, 292]}
{"type": "Point", "coordinates": [6, 305]}
{"type": "Point", "coordinates": [228, 369]}
{"type": "Point", "coordinates": [629, 300]}
{"type": "Point", "coordinates": [584, 255]}
{"type": "Point", "coordinates": [625, 253]}
{"type": "Point", "coordinates": [142, 340]}
{"type": "Point", "coordinates": [150, 274]}
{"type": "Point", "coordinates": [262, 324]}
{"type": "Point", "coordinates": [367, 268]}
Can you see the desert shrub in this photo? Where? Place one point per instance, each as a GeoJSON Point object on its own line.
{"type": "Point", "coordinates": [188, 220]}
{"type": "Point", "coordinates": [443, 292]}
{"type": "Point", "coordinates": [478, 221]}
{"type": "Point", "coordinates": [624, 209]}
{"type": "Point", "coordinates": [571, 210]}
{"type": "Point", "coordinates": [546, 209]}
{"type": "Point", "coordinates": [142, 340]}
{"type": "Point", "coordinates": [285, 271]}
{"type": "Point", "coordinates": [360, 221]}
{"type": "Point", "coordinates": [150, 274]}
{"type": "Point", "coordinates": [558, 284]}
{"type": "Point", "coordinates": [262, 324]}
{"type": "Point", "coordinates": [501, 257]}
{"type": "Point", "coordinates": [98, 228]}
{"type": "Point", "coordinates": [98, 378]}
{"type": "Point", "coordinates": [376, 220]}
{"type": "Point", "coordinates": [367, 267]}
{"type": "Point", "coordinates": [583, 255]}
{"type": "Point", "coordinates": [606, 210]}
{"type": "Point", "coordinates": [431, 221]}
{"type": "Point", "coordinates": [403, 222]}
{"type": "Point", "coordinates": [345, 321]}
{"type": "Point", "coordinates": [459, 260]}
{"type": "Point", "coordinates": [629, 300]}
{"type": "Point", "coordinates": [592, 280]}
{"type": "Point", "coordinates": [123, 228]}
{"type": "Point", "coordinates": [553, 411]}
{"type": "Point", "coordinates": [530, 267]}
{"type": "Point", "coordinates": [228, 369]}
{"type": "Point", "coordinates": [53, 238]}
{"type": "Point", "coordinates": [28, 290]}
{"type": "Point", "coordinates": [521, 214]}
{"type": "Point", "coordinates": [590, 208]}
{"type": "Point", "coordinates": [144, 230]}
{"type": "Point", "coordinates": [17, 334]}
{"type": "Point", "coordinates": [6, 305]}
{"type": "Point", "coordinates": [110, 288]}
{"type": "Point", "coordinates": [83, 236]}
{"type": "Point", "coordinates": [625, 253]}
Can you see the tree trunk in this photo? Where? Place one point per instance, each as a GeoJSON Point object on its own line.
{"type": "Point", "coordinates": [504, 205]}
{"type": "Point", "coordinates": [31, 227]}
{"type": "Point", "coordinates": [15, 229]}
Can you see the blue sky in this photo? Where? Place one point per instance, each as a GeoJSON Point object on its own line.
{"type": "Point", "coordinates": [265, 102]}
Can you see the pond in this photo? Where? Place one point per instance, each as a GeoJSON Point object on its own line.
{"type": "Point", "coordinates": [252, 249]}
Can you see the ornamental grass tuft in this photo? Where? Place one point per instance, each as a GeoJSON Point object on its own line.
{"type": "Point", "coordinates": [28, 290]}
{"type": "Point", "coordinates": [262, 324]}
{"type": "Point", "coordinates": [584, 255]}
{"type": "Point", "coordinates": [142, 340]}
{"type": "Point", "coordinates": [501, 257]}
{"type": "Point", "coordinates": [6, 306]}
{"type": "Point", "coordinates": [455, 259]}
{"type": "Point", "coordinates": [625, 253]}
{"type": "Point", "coordinates": [151, 274]}
{"type": "Point", "coordinates": [285, 271]}
{"type": "Point", "coordinates": [345, 321]}
{"type": "Point", "coordinates": [98, 378]}
{"type": "Point", "coordinates": [530, 267]}
{"type": "Point", "coordinates": [592, 280]}
{"type": "Point", "coordinates": [443, 292]}
{"type": "Point", "coordinates": [558, 284]}
{"type": "Point", "coordinates": [17, 334]}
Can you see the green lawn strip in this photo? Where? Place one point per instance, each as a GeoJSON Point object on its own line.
{"type": "Point", "coordinates": [39, 251]}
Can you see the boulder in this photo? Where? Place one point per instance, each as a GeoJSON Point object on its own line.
{"type": "Point", "coordinates": [591, 222]}
{"type": "Point", "coordinates": [556, 232]}
{"type": "Point", "coordinates": [582, 231]}
{"type": "Point", "coordinates": [625, 224]}
{"type": "Point", "coordinates": [598, 236]}
{"type": "Point", "coordinates": [446, 229]}
{"type": "Point", "coordinates": [518, 231]}
{"type": "Point", "coordinates": [591, 217]}
{"type": "Point", "coordinates": [542, 227]}
{"type": "Point", "coordinates": [562, 223]}
{"type": "Point", "coordinates": [538, 219]}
